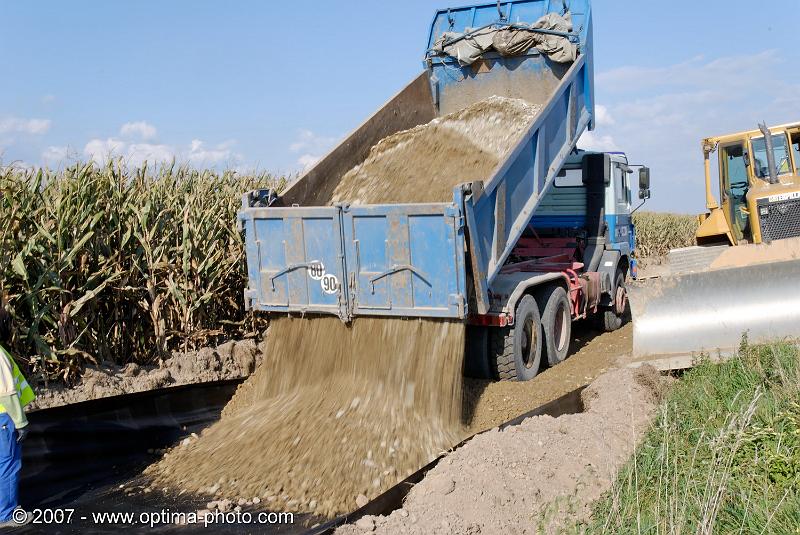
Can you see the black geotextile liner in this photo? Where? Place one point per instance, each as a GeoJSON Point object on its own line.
{"type": "Point", "coordinates": [84, 456]}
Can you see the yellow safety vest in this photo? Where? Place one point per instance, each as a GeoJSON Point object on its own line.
{"type": "Point", "coordinates": [24, 390]}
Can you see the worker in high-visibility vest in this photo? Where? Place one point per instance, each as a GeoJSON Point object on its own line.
{"type": "Point", "coordinates": [15, 393]}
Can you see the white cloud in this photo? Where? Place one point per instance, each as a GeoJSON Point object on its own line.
{"type": "Point", "coordinates": [596, 141]}
{"type": "Point", "coordinates": [135, 154]}
{"type": "Point", "coordinates": [600, 143]}
{"type": "Point", "coordinates": [139, 129]}
{"type": "Point", "coordinates": [306, 139]}
{"type": "Point", "coordinates": [14, 125]}
{"type": "Point", "coordinates": [48, 99]}
{"type": "Point", "coordinates": [199, 155]}
{"type": "Point", "coordinates": [55, 155]}
{"type": "Point", "coordinates": [312, 146]}
{"type": "Point", "coordinates": [139, 153]}
{"type": "Point", "coordinates": [102, 150]}
{"type": "Point", "coordinates": [307, 161]}
{"type": "Point", "coordinates": [602, 116]}
{"type": "Point", "coordinates": [658, 115]}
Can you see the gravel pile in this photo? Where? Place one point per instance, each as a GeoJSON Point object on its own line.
{"type": "Point", "coordinates": [336, 415]}
{"type": "Point", "coordinates": [538, 477]}
{"type": "Point", "coordinates": [425, 163]}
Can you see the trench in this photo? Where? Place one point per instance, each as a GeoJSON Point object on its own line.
{"type": "Point", "coordinates": [85, 456]}
{"type": "Point", "coordinates": [78, 455]}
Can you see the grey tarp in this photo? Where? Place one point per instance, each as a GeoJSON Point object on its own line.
{"type": "Point", "coordinates": [512, 41]}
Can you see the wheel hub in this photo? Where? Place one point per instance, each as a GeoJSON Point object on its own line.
{"type": "Point", "coordinates": [620, 300]}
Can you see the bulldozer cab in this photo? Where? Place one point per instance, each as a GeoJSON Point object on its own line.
{"type": "Point", "coordinates": [734, 187]}
{"type": "Point", "coordinates": [751, 167]}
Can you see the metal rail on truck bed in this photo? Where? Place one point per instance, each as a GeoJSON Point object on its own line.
{"type": "Point", "coordinates": [411, 259]}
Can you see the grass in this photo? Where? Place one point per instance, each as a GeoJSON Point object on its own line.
{"type": "Point", "coordinates": [723, 455]}
{"type": "Point", "coordinates": [657, 233]}
{"type": "Point", "coordinates": [108, 263]}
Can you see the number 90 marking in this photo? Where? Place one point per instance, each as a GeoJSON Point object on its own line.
{"type": "Point", "coordinates": [330, 284]}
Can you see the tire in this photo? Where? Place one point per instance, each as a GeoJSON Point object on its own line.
{"type": "Point", "coordinates": [516, 352]}
{"type": "Point", "coordinates": [612, 318]}
{"type": "Point", "coordinates": [556, 324]}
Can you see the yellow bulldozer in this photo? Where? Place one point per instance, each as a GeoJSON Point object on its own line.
{"type": "Point", "coordinates": [743, 275]}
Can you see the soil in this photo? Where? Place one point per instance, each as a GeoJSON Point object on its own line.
{"type": "Point", "coordinates": [425, 163]}
{"type": "Point", "coordinates": [537, 477]}
{"type": "Point", "coordinates": [491, 403]}
{"type": "Point", "coordinates": [231, 360]}
{"type": "Point", "coordinates": [335, 412]}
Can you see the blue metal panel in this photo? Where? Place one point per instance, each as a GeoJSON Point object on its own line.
{"type": "Point", "coordinates": [295, 259]}
{"type": "Point", "coordinates": [573, 221]}
{"type": "Point", "coordinates": [619, 232]}
{"type": "Point", "coordinates": [405, 260]}
{"type": "Point", "coordinates": [495, 219]}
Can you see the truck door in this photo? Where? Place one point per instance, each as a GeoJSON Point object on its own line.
{"type": "Point", "coordinates": [619, 205]}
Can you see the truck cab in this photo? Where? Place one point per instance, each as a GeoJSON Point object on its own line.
{"type": "Point", "coordinates": [571, 262]}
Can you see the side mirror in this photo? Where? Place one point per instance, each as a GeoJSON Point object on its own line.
{"type": "Point", "coordinates": [644, 178]}
{"type": "Point", "coordinates": [644, 182]}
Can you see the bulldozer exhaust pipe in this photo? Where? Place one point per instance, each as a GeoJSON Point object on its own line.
{"type": "Point", "coordinates": [708, 312]}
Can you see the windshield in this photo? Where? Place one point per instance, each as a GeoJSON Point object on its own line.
{"type": "Point", "coordinates": [780, 148]}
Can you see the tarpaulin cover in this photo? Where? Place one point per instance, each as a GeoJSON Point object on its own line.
{"type": "Point", "coordinates": [511, 41]}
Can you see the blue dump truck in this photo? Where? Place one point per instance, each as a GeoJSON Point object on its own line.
{"type": "Point", "coordinates": [544, 240]}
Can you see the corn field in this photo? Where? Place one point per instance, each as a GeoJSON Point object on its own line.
{"type": "Point", "coordinates": [110, 264]}
{"type": "Point", "coordinates": [657, 233]}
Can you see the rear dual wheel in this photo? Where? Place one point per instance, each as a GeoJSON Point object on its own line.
{"type": "Point", "coordinates": [540, 327]}
{"type": "Point", "coordinates": [556, 324]}
{"type": "Point", "coordinates": [515, 352]}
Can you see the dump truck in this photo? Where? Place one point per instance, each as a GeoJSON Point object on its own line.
{"type": "Point", "coordinates": [738, 279]}
{"type": "Point", "coordinates": [543, 240]}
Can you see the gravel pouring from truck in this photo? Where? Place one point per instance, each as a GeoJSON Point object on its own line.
{"type": "Point", "coordinates": [544, 239]}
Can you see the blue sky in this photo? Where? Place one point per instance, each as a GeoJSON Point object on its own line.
{"type": "Point", "coordinates": [274, 84]}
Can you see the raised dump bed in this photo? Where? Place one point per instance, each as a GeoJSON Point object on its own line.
{"type": "Point", "coordinates": [308, 256]}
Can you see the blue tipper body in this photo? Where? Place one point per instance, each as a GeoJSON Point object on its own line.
{"type": "Point", "coordinates": [411, 259]}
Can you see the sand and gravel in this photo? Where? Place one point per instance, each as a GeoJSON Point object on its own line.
{"type": "Point", "coordinates": [338, 411]}
{"type": "Point", "coordinates": [335, 412]}
{"type": "Point", "coordinates": [425, 163]}
{"type": "Point", "coordinates": [537, 477]}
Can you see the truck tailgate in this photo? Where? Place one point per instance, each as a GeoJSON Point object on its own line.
{"type": "Point", "coordinates": [387, 260]}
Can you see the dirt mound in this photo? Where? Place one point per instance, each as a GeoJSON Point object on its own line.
{"type": "Point", "coordinates": [538, 477]}
{"type": "Point", "coordinates": [423, 164]}
{"type": "Point", "coordinates": [336, 411]}
{"type": "Point", "coordinates": [230, 360]}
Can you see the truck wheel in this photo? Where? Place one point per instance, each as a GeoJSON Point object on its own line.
{"type": "Point", "coordinates": [613, 317]}
{"type": "Point", "coordinates": [556, 324]}
{"type": "Point", "coordinates": [516, 352]}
